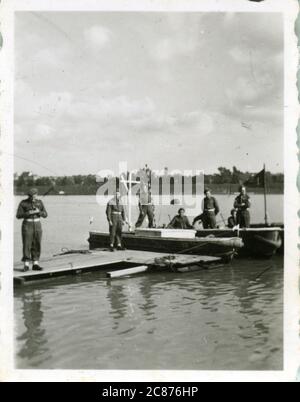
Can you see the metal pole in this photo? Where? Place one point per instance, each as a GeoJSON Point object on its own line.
{"type": "Point", "coordinates": [265, 197]}
{"type": "Point", "coordinates": [129, 199]}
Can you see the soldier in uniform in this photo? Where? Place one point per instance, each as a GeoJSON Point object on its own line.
{"type": "Point", "coordinates": [242, 204]}
{"type": "Point", "coordinates": [31, 211]}
{"type": "Point", "coordinates": [180, 221]}
{"type": "Point", "coordinates": [146, 207]}
{"type": "Point", "coordinates": [116, 218]}
{"type": "Point", "coordinates": [232, 221]}
{"type": "Point", "coordinates": [210, 211]}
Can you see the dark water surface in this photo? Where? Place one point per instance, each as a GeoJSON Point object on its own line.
{"type": "Point", "coordinates": [227, 318]}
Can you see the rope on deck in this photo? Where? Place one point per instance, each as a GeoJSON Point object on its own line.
{"type": "Point", "coordinates": [66, 251]}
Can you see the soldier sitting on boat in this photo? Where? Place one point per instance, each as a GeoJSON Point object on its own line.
{"type": "Point", "coordinates": [232, 220]}
{"type": "Point", "coordinates": [31, 211]}
{"type": "Point", "coordinates": [210, 211]}
{"type": "Point", "coordinates": [115, 213]}
{"type": "Point", "coordinates": [242, 204]}
{"type": "Point", "coordinates": [180, 221]}
{"type": "Point", "coordinates": [146, 206]}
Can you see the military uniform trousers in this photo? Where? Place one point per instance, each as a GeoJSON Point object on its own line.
{"type": "Point", "coordinates": [243, 218]}
{"type": "Point", "coordinates": [32, 239]}
{"type": "Point", "coordinates": [209, 220]}
{"type": "Point", "coordinates": [145, 210]}
{"type": "Point", "coordinates": [115, 229]}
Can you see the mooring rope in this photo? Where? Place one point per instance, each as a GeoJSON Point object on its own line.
{"type": "Point", "coordinates": [65, 251]}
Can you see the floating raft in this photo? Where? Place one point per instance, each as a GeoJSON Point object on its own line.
{"type": "Point", "coordinates": [106, 261]}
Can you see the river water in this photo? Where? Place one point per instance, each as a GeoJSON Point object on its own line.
{"type": "Point", "coordinates": [229, 318]}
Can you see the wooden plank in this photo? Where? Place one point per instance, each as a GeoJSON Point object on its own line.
{"type": "Point", "coordinates": [73, 261]}
{"type": "Point", "coordinates": [98, 260]}
{"type": "Point", "coordinates": [97, 256]}
{"type": "Point", "coordinates": [68, 268]}
{"type": "Point", "coordinates": [42, 275]}
{"type": "Point", "coordinates": [129, 271]}
{"type": "Point", "coordinates": [193, 268]}
{"type": "Point", "coordinates": [169, 233]}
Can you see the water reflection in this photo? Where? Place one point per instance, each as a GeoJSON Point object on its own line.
{"type": "Point", "coordinates": [34, 336]}
{"type": "Point", "coordinates": [149, 305]}
{"type": "Point", "coordinates": [231, 317]}
{"type": "Point", "coordinates": [118, 302]}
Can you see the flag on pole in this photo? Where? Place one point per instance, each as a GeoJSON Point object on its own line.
{"type": "Point", "coordinates": [257, 180]}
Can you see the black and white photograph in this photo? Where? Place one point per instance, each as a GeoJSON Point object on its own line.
{"type": "Point", "coordinates": [149, 178]}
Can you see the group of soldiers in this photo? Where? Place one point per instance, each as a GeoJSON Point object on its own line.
{"type": "Point", "coordinates": [240, 215]}
{"type": "Point", "coordinates": [31, 210]}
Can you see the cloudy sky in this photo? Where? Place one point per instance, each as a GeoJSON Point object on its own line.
{"type": "Point", "coordinates": [183, 90]}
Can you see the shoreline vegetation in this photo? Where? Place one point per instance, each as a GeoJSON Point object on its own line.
{"type": "Point", "coordinates": [226, 181]}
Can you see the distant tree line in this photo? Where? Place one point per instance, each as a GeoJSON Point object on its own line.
{"type": "Point", "coordinates": [224, 181]}
{"type": "Point", "coordinates": [236, 176]}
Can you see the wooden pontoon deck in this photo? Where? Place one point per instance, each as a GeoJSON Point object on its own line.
{"type": "Point", "coordinates": [98, 260]}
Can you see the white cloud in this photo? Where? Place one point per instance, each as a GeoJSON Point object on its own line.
{"type": "Point", "coordinates": [184, 124]}
{"type": "Point", "coordinates": [253, 91]}
{"type": "Point", "coordinates": [108, 85]}
{"type": "Point", "coordinates": [31, 105]}
{"type": "Point", "coordinates": [183, 37]}
{"type": "Point", "coordinates": [97, 36]}
{"type": "Point", "coordinates": [168, 48]}
{"type": "Point", "coordinates": [245, 91]}
{"type": "Point", "coordinates": [57, 105]}
{"type": "Point", "coordinates": [240, 55]}
{"type": "Point", "coordinates": [200, 121]}
{"type": "Point", "coordinates": [164, 50]}
{"type": "Point", "coordinates": [154, 122]}
{"type": "Point", "coordinates": [43, 131]}
{"type": "Point", "coordinates": [110, 109]}
{"type": "Point", "coordinates": [51, 57]}
{"type": "Point", "coordinates": [61, 115]}
{"type": "Point", "coordinates": [161, 88]}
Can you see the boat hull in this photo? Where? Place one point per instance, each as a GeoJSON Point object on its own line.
{"type": "Point", "coordinates": [260, 242]}
{"type": "Point", "coordinates": [211, 246]}
{"type": "Point", "coordinates": [281, 233]}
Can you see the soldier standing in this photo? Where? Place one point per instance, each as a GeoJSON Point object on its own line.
{"type": "Point", "coordinates": [116, 218]}
{"type": "Point", "coordinates": [31, 211]}
{"type": "Point", "coordinates": [146, 207]}
{"type": "Point", "coordinates": [210, 211]}
{"type": "Point", "coordinates": [242, 204]}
